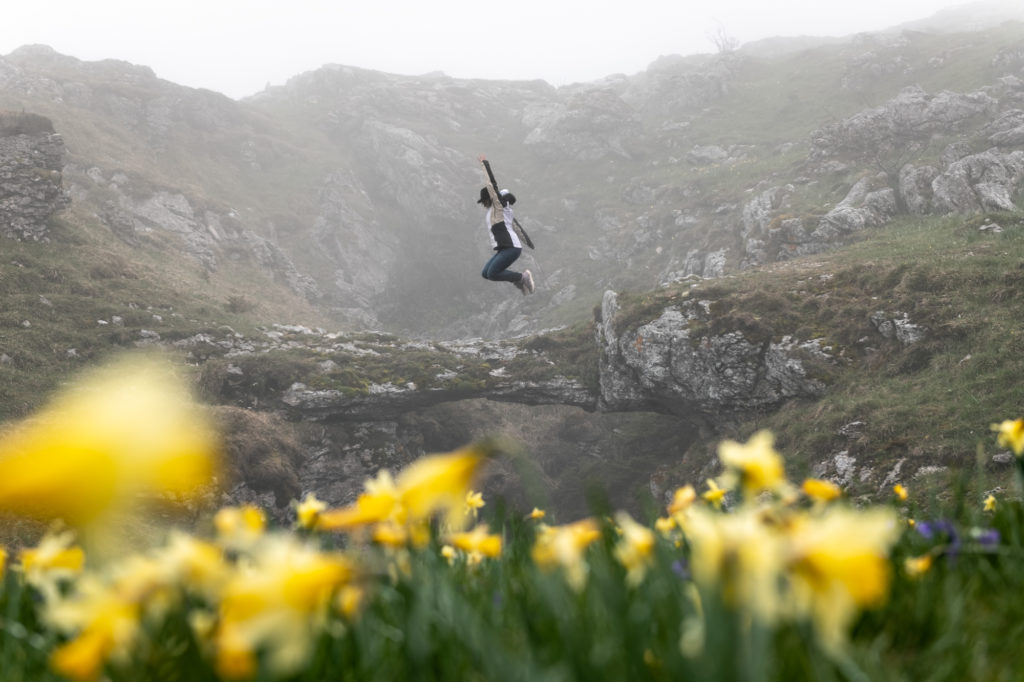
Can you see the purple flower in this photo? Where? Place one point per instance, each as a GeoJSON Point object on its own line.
{"type": "Point", "coordinates": [929, 529]}
{"type": "Point", "coordinates": [986, 537]}
{"type": "Point", "coordinates": [681, 570]}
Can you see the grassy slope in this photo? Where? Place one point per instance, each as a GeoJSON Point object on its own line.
{"type": "Point", "coordinates": [57, 294]}
{"type": "Point", "coordinates": [930, 403]}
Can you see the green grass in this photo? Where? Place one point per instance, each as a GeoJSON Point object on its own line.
{"type": "Point", "coordinates": [929, 403]}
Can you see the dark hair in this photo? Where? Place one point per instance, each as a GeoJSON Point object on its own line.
{"type": "Point", "coordinates": [485, 197]}
{"type": "Point", "coordinates": [507, 198]}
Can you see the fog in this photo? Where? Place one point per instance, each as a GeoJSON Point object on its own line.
{"type": "Point", "coordinates": [238, 47]}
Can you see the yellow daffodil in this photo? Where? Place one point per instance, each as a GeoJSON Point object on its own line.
{"type": "Point", "coordinates": [236, 656]}
{"type": "Point", "coordinates": [738, 556]}
{"type": "Point", "coordinates": [915, 567]}
{"type": "Point", "coordinates": [821, 491]}
{"type": "Point", "coordinates": [563, 547]}
{"type": "Point", "coordinates": [990, 503]}
{"type": "Point", "coordinates": [108, 627]}
{"type": "Point", "coordinates": [104, 613]}
{"type": "Point", "coordinates": [240, 527]}
{"type": "Point", "coordinates": [123, 434]}
{"type": "Point", "coordinates": [439, 483]}
{"type": "Point", "coordinates": [682, 498]}
{"type": "Point", "coordinates": [390, 534]}
{"type": "Point", "coordinates": [379, 502]}
{"type": "Point", "coordinates": [665, 525]}
{"type": "Point", "coordinates": [839, 564]}
{"type": "Point", "coordinates": [435, 484]}
{"type": "Point", "coordinates": [536, 514]}
{"type": "Point", "coordinates": [275, 603]}
{"type": "Point", "coordinates": [754, 465]}
{"type": "Point", "coordinates": [714, 494]}
{"type": "Point", "coordinates": [195, 563]}
{"type": "Point", "coordinates": [478, 540]}
{"type": "Point", "coordinates": [635, 549]}
{"type": "Point", "coordinates": [900, 492]}
{"type": "Point", "coordinates": [54, 552]}
{"type": "Point", "coordinates": [3, 562]}
{"type": "Point", "coordinates": [308, 511]}
{"type": "Point", "coordinates": [55, 559]}
{"type": "Point", "coordinates": [474, 501]}
{"type": "Point", "coordinates": [1010, 434]}
{"type": "Point", "coordinates": [449, 553]}
{"type": "Point", "coordinates": [350, 600]}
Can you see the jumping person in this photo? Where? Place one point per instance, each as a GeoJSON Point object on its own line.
{"type": "Point", "coordinates": [504, 239]}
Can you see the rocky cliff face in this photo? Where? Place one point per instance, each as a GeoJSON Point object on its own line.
{"type": "Point", "coordinates": [884, 140]}
{"type": "Point", "coordinates": [667, 364]}
{"type": "Point", "coordinates": [355, 189]}
{"type": "Point", "coordinates": [31, 164]}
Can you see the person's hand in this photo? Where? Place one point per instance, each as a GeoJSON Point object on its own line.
{"type": "Point", "coordinates": [481, 158]}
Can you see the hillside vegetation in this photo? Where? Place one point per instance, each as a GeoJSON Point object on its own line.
{"type": "Point", "coordinates": [343, 201]}
{"type": "Point", "coordinates": [894, 412]}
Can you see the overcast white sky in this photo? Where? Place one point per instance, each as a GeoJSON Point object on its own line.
{"type": "Point", "coordinates": [238, 46]}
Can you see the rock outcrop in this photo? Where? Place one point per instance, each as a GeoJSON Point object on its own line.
{"type": "Point", "coordinates": [31, 181]}
{"type": "Point", "coordinates": [666, 365]}
{"type": "Point", "coordinates": [980, 182]}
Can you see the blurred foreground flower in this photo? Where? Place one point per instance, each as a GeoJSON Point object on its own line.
{"type": "Point", "coordinates": [821, 491]}
{"type": "Point", "coordinates": [714, 494]}
{"type": "Point", "coordinates": [563, 547]}
{"type": "Point", "coordinates": [123, 434]}
{"type": "Point", "coordinates": [755, 465]}
{"type": "Point", "coordinates": [53, 560]}
{"type": "Point", "coordinates": [308, 511]}
{"type": "Point", "coordinates": [104, 611]}
{"type": "Point", "coordinates": [477, 541]}
{"type": "Point", "coordinates": [474, 502]}
{"type": "Point", "coordinates": [239, 527]}
{"type": "Point", "coordinates": [839, 565]}
{"type": "Point", "coordinates": [276, 603]}
{"type": "Point", "coordinates": [737, 556]}
{"type": "Point", "coordinates": [436, 484]}
{"type": "Point", "coordinates": [536, 515]}
{"type": "Point", "coordinates": [635, 550]}
{"type": "Point", "coordinates": [915, 567]}
{"type": "Point", "coordinates": [1010, 434]}
{"type": "Point", "coordinates": [682, 498]}
{"type": "Point", "coordinates": [769, 561]}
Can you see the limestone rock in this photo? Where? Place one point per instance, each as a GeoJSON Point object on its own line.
{"type": "Point", "coordinates": [663, 365]}
{"type": "Point", "coordinates": [31, 181]}
{"type": "Point", "coordinates": [980, 182]}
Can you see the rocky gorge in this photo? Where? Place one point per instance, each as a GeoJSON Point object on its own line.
{"type": "Point", "coordinates": [350, 192]}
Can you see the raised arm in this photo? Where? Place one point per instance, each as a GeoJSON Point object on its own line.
{"type": "Point", "coordinates": [491, 183]}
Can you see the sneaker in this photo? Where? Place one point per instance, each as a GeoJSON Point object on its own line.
{"type": "Point", "coordinates": [528, 286]}
{"type": "Point", "coordinates": [521, 285]}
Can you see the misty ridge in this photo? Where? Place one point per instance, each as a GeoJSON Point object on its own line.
{"type": "Point", "coordinates": [314, 251]}
{"type": "Point", "coordinates": [629, 182]}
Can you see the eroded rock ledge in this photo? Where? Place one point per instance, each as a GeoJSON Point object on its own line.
{"type": "Point", "coordinates": [672, 364]}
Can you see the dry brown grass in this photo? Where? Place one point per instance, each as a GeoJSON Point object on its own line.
{"type": "Point", "coordinates": [261, 450]}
